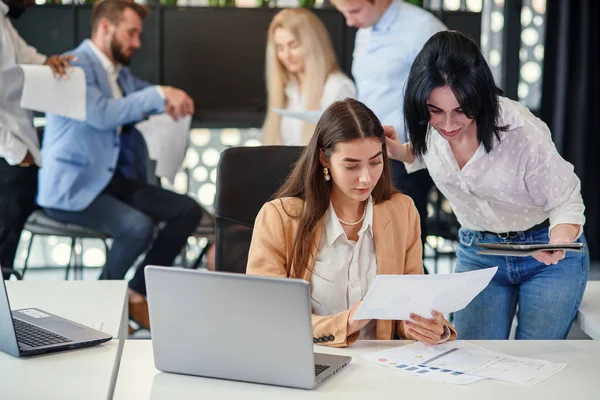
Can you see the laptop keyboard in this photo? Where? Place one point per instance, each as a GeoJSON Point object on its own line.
{"type": "Point", "coordinates": [33, 336]}
{"type": "Point", "coordinates": [320, 368]}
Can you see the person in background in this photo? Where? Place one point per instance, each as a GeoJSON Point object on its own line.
{"type": "Point", "coordinates": [497, 165]}
{"type": "Point", "coordinates": [338, 223]}
{"type": "Point", "coordinates": [390, 35]}
{"type": "Point", "coordinates": [302, 74]}
{"type": "Point", "coordinates": [95, 171]}
{"type": "Point", "coordinates": [19, 144]}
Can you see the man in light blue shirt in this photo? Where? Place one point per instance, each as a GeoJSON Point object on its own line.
{"type": "Point", "coordinates": [390, 35]}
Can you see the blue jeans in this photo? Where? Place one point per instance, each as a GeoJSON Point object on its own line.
{"type": "Point", "coordinates": [548, 297]}
{"type": "Point", "coordinates": [129, 211]}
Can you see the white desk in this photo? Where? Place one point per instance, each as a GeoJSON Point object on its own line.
{"type": "Point", "coordinates": [361, 379]}
{"type": "Point", "coordinates": [588, 317]}
{"type": "Point", "coordinates": [80, 374]}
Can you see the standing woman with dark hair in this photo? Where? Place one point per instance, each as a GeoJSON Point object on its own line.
{"type": "Point", "coordinates": [337, 223]}
{"type": "Point", "coordinates": [497, 165]}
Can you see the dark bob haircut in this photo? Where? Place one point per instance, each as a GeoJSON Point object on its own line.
{"type": "Point", "coordinates": [452, 59]}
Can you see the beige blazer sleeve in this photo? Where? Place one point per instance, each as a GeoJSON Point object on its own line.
{"type": "Point", "coordinates": [272, 241]}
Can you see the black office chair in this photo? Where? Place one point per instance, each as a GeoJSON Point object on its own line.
{"type": "Point", "coordinates": [442, 228]}
{"type": "Point", "coordinates": [9, 271]}
{"type": "Point", "coordinates": [247, 177]}
{"type": "Point", "coordinates": [40, 224]}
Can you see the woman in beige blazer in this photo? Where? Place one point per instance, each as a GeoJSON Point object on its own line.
{"type": "Point", "coordinates": [337, 223]}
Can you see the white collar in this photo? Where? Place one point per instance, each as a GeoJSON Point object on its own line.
{"type": "Point", "coordinates": [334, 229]}
{"type": "Point", "coordinates": [4, 9]}
{"type": "Point", "coordinates": [109, 67]}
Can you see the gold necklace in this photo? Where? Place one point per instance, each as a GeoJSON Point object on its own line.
{"type": "Point", "coordinates": [357, 222]}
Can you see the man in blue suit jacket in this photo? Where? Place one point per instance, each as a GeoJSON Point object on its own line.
{"type": "Point", "coordinates": [94, 172]}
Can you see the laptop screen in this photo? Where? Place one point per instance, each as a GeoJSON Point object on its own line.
{"type": "Point", "coordinates": [8, 337]}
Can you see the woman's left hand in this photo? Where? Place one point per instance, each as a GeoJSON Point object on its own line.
{"type": "Point", "coordinates": [428, 331]}
{"type": "Point", "coordinates": [560, 234]}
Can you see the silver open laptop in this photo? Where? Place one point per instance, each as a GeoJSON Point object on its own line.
{"type": "Point", "coordinates": [233, 326]}
{"type": "Point", "coordinates": [32, 331]}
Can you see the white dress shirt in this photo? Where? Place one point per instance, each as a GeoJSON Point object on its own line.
{"type": "Point", "coordinates": [519, 184]}
{"type": "Point", "coordinates": [17, 134]}
{"type": "Point", "coordinates": [112, 70]}
{"type": "Point", "coordinates": [337, 87]}
{"type": "Point", "coordinates": [344, 269]}
{"type": "Point", "coordinates": [383, 55]}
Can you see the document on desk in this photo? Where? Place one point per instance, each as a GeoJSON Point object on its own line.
{"type": "Point", "coordinates": [461, 362]}
{"type": "Point", "coordinates": [395, 297]}
{"type": "Point", "coordinates": [474, 360]}
{"type": "Point", "coordinates": [407, 359]}
{"type": "Point", "coordinates": [306, 116]}
{"type": "Point", "coordinates": [167, 142]}
{"type": "Point", "coordinates": [43, 92]}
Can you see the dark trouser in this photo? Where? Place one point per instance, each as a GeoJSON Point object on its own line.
{"type": "Point", "coordinates": [128, 211]}
{"type": "Point", "coordinates": [18, 188]}
{"type": "Point", "coordinates": [415, 185]}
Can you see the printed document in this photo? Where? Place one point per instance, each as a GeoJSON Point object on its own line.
{"type": "Point", "coordinates": [407, 359]}
{"type": "Point", "coordinates": [466, 361]}
{"type": "Point", "coordinates": [167, 142]}
{"type": "Point", "coordinates": [395, 297]}
{"type": "Point", "coordinates": [44, 92]}
{"type": "Point", "coordinates": [471, 359]}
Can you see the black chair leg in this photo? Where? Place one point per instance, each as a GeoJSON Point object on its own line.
{"type": "Point", "coordinates": [202, 254]}
{"type": "Point", "coordinates": [71, 259]}
{"type": "Point", "coordinates": [28, 255]}
{"type": "Point", "coordinates": [78, 260]}
{"type": "Point", "coordinates": [106, 250]}
{"type": "Point", "coordinates": [81, 266]}
{"type": "Point", "coordinates": [7, 272]}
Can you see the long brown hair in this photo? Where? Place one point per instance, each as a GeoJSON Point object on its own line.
{"type": "Point", "coordinates": [343, 121]}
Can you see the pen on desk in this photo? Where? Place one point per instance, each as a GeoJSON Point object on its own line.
{"type": "Point", "coordinates": [440, 356]}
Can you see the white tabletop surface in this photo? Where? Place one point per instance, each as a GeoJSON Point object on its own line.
{"type": "Point", "coordinates": [361, 379]}
{"type": "Point", "coordinates": [78, 374]}
{"type": "Point", "coordinates": [588, 317]}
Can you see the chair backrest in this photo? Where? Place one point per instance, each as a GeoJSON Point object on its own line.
{"type": "Point", "coordinates": [247, 177]}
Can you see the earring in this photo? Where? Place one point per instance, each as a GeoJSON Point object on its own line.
{"type": "Point", "coordinates": [326, 172]}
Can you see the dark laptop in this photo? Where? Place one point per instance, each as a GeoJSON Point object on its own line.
{"type": "Point", "coordinates": [31, 331]}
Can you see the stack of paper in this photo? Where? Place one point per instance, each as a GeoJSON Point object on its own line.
{"type": "Point", "coordinates": [461, 362]}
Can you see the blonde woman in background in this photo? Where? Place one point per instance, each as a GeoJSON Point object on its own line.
{"type": "Point", "coordinates": [302, 74]}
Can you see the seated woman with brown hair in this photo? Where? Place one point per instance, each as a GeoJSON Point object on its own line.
{"type": "Point", "coordinates": [337, 222]}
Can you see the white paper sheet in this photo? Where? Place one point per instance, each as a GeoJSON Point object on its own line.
{"type": "Point", "coordinates": [306, 116]}
{"type": "Point", "coordinates": [407, 359]}
{"type": "Point", "coordinates": [167, 142]}
{"type": "Point", "coordinates": [395, 297]}
{"type": "Point", "coordinates": [474, 360]}
{"type": "Point", "coordinates": [43, 92]}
